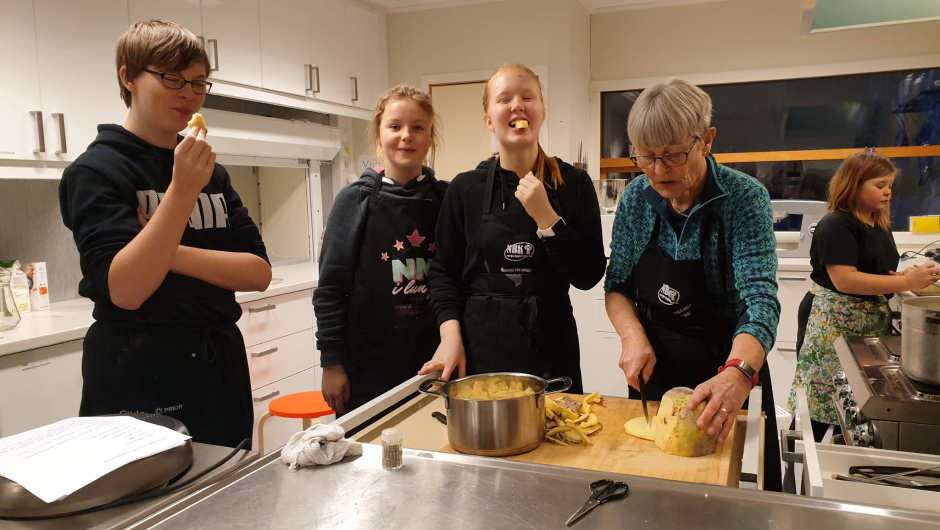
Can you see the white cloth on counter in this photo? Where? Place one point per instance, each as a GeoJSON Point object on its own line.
{"type": "Point", "coordinates": [320, 445]}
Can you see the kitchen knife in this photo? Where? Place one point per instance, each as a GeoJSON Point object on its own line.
{"type": "Point", "coordinates": [646, 413]}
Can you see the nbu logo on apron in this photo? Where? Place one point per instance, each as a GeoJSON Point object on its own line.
{"type": "Point", "coordinates": [667, 295]}
{"type": "Point", "coordinates": [519, 251]}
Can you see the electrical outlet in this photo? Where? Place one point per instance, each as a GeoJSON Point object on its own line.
{"type": "Point", "coordinates": [345, 163]}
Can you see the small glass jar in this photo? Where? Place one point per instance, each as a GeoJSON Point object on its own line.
{"type": "Point", "coordinates": [391, 449]}
{"type": "Point", "coordinates": [9, 314]}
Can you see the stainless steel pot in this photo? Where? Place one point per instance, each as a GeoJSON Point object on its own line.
{"type": "Point", "coordinates": [499, 427]}
{"type": "Point", "coordinates": [920, 339]}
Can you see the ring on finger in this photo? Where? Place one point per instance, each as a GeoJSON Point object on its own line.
{"type": "Point", "coordinates": [724, 410]}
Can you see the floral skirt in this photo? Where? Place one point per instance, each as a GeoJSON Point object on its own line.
{"type": "Point", "coordinates": [833, 314]}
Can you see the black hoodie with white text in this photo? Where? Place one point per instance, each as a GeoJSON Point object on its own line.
{"type": "Point", "coordinates": [99, 197]}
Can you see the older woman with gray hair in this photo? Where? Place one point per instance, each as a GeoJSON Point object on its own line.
{"type": "Point", "coordinates": [691, 286]}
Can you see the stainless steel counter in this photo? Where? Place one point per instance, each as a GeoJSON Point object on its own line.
{"type": "Point", "coordinates": [437, 490]}
{"type": "Point", "coordinates": [204, 456]}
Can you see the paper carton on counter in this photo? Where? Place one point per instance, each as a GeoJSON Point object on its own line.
{"type": "Point", "coordinates": [39, 286]}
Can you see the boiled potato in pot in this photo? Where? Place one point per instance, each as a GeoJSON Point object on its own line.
{"type": "Point", "coordinates": [496, 387]}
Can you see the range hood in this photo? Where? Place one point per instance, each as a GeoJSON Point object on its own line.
{"type": "Point", "coordinates": [238, 135]}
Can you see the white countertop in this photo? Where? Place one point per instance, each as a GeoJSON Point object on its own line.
{"type": "Point", "coordinates": [66, 321]}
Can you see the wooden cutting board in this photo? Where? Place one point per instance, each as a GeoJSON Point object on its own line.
{"type": "Point", "coordinates": [618, 452]}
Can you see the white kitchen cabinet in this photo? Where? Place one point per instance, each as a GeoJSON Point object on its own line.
{"type": "Point", "coordinates": [327, 40]}
{"type": "Point", "coordinates": [302, 48]}
{"type": "Point", "coordinates": [233, 40]}
{"type": "Point", "coordinates": [277, 316]}
{"type": "Point", "coordinates": [284, 45]}
{"type": "Point", "coordinates": [184, 12]}
{"type": "Point", "coordinates": [76, 41]}
{"type": "Point", "coordinates": [600, 366]}
{"type": "Point", "coordinates": [366, 56]}
{"type": "Point", "coordinates": [20, 100]}
{"type": "Point", "coordinates": [782, 364]}
{"type": "Point", "coordinates": [39, 387]}
{"type": "Point", "coordinates": [792, 286]}
{"type": "Point", "coordinates": [280, 358]}
{"type": "Point", "coordinates": [278, 430]}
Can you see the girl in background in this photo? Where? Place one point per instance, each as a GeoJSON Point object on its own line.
{"type": "Point", "coordinates": [854, 257]}
{"type": "Point", "coordinates": [375, 327]}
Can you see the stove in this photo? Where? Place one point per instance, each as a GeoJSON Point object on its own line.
{"type": "Point", "coordinates": [877, 405]}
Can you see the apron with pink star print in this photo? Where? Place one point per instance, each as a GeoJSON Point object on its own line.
{"type": "Point", "coordinates": [391, 331]}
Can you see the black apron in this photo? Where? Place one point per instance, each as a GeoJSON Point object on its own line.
{"type": "Point", "coordinates": [506, 327]}
{"type": "Point", "coordinates": [198, 376]}
{"type": "Point", "coordinates": [691, 341]}
{"type": "Point", "coordinates": [391, 331]}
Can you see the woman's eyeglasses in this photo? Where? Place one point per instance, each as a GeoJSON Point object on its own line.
{"type": "Point", "coordinates": [668, 159]}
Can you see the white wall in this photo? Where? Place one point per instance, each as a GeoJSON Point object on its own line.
{"type": "Point", "coordinates": [483, 37]}
{"type": "Point", "coordinates": [738, 35]}
{"type": "Point", "coordinates": [245, 182]}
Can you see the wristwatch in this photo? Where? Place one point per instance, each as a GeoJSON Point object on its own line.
{"type": "Point", "coordinates": [748, 370]}
{"type": "Point", "coordinates": [549, 232]}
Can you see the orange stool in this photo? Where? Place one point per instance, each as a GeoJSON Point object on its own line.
{"type": "Point", "coordinates": [306, 405]}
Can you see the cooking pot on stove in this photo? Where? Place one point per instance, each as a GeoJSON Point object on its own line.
{"type": "Point", "coordinates": [497, 427]}
{"type": "Point", "coordinates": [920, 339]}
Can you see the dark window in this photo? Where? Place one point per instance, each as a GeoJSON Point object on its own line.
{"type": "Point", "coordinates": [887, 109]}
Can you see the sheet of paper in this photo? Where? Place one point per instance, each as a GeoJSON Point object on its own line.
{"type": "Point", "coordinates": [57, 460]}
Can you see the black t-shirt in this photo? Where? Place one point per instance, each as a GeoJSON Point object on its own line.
{"type": "Point", "coordinates": [842, 239]}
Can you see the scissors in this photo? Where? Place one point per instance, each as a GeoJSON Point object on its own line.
{"type": "Point", "coordinates": [601, 491]}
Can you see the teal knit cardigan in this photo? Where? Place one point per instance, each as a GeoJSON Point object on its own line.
{"type": "Point", "coordinates": [734, 216]}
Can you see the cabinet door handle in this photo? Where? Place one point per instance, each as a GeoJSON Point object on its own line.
{"type": "Point", "coordinates": [60, 119]}
{"type": "Point", "coordinates": [265, 352]}
{"type": "Point", "coordinates": [267, 397]}
{"type": "Point", "coordinates": [791, 350]}
{"type": "Point", "coordinates": [261, 309]}
{"type": "Point", "coordinates": [42, 134]}
{"type": "Point", "coordinates": [355, 87]}
{"type": "Point", "coordinates": [308, 70]}
{"type": "Point", "coordinates": [315, 71]}
{"type": "Point", "coordinates": [215, 54]}
{"type": "Point", "coordinates": [793, 278]}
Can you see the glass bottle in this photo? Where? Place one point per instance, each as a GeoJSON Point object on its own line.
{"type": "Point", "coordinates": [391, 449]}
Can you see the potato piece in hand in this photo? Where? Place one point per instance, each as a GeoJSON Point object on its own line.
{"type": "Point", "coordinates": [197, 121]}
{"type": "Point", "coordinates": [674, 428]}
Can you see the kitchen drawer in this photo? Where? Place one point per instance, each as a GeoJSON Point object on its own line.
{"type": "Point", "coordinates": [600, 366]}
{"type": "Point", "coordinates": [791, 288]}
{"type": "Point", "coordinates": [782, 363]}
{"type": "Point", "coordinates": [39, 387]}
{"type": "Point", "coordinates": [278, 430]}
{"type": "Point", "coordinates": [278, 316]}
{"type": "Point", "coordinates": [274, 360]}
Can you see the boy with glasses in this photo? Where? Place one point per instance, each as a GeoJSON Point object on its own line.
{"type": "Point", "coordinates": [164, 243]}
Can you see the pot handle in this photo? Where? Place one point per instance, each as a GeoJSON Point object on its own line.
{"type": "Point", "coordinates": [566, 386]}
{"type": "Point", "coordinates": [425, 387]}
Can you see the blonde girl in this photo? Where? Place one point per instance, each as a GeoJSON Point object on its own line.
{"type": "Point", "coordinates": [375, 327]}
{"type": "Point", "coordinates": [514, 234]}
